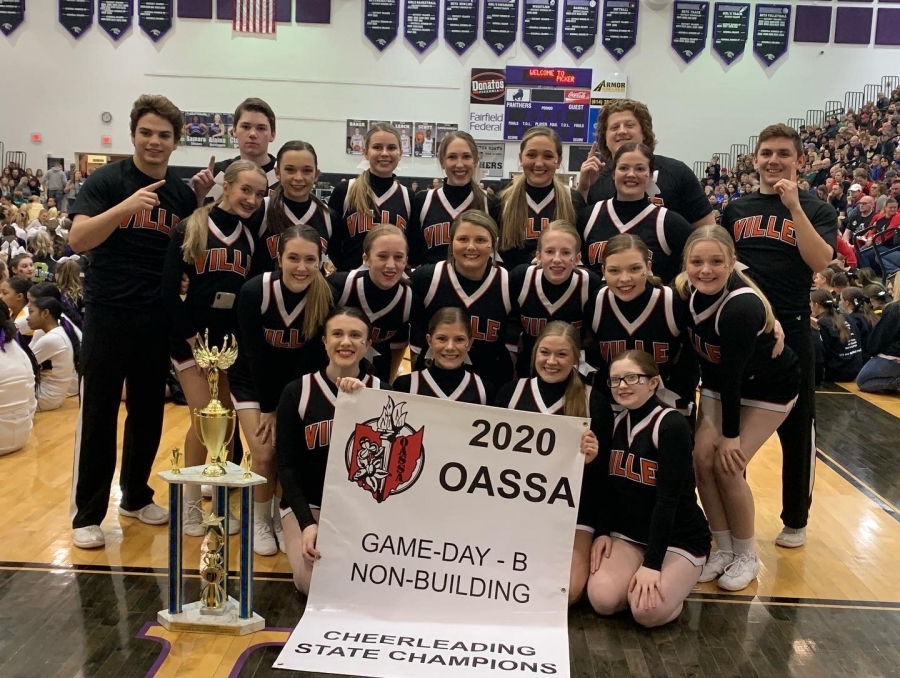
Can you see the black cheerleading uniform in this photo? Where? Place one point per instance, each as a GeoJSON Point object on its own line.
{"type": "Point", "coordinates": [388, 310]}
{"type": "Point", "coordinates": [389, 204]}
{"type": "Point", "coordinates": [727, 332]}
{"type": "Point", "coordinates": [488, 304]}
{"type": "Point", "coordinates": [433, 212]}
{"type": "Point", "coordinates": [836, 360]}
{"type": "Point", "coordinates": [274, 350]}
{"type": "Point", "coordinates": [458, 385]}
{"type": "Point", "coordinates": [223, 270]}
{"type": "Point", "coordinates": [309, 213]}
{"type": "Point", "coordinates": [647, 491]}
{"type": "Point", "coordinates": [537, 301]}
{"type": "Point", "coordinates": [302, 439]}
{"type": "Point", "coordinates": [663, 231]}
{"type": "Point", "coordinates": [863, 329]}
{"type": "Point", "coordinates": [541, 210]}
{"type": "Point", "coordinates": [219, 176]}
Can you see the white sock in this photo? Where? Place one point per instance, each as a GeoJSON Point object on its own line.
{"type": "Point", "coordinates": [743, 545]}
{"type": "Point", "coordinates": [192, 493]}
{"type": "Point", "coordinates": [276, 512]}
{"type": "Point", "coordinates": [723, 541]}
{"type": "Point", "coordinates": [263, 511]}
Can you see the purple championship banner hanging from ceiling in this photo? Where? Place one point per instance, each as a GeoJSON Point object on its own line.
{"type": "Point", "coordinates": [460, 24]}
{"type": "Point", "coordinates": [579, 26]}
{"type": "Point", "coordinates": [420, 23]}
{"type": "Point", "coordinates": [501, 18]}
{"type": "Point", "coordinates": [887, 27]}
{"type": "Point", "coordinates": [539, 25]}
{"type": "Point", "coordinates": [731, 25]}
{"type": "Point", "coordinates": [195, 9]}
{"type": "Point", "coordinates": [771, 32]}
{"type": "Point", "coordinates": [12, 14]}
{"type": "Point", "coordinates": [114, 16]}
{"type": "Point", "coordinates": [620, 19]}
{"type": "Point", "coordinates": [689, 22]}
{"type": "Point", "coordinates": [853, 25]}
{"type": "Point", "coordinates": [382, 21]}
{"type": "Point", "coordinates": [76, 16]}
{"type": "Point", "coordinates": [155, 18]}
{"type": "Point", "coordinates": [812, 23]}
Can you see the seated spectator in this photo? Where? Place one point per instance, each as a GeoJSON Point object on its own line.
{"type": "Point", "coordinates": [877, 296]}
{"type": "Point", "coordinates": [21, 266]}
{"type": "Point", "coordinates": [58, 346]}
{"type": "Point", "coordinates": [882, 371]}
{"type": "Point", "coordinates": [855, 304]}
{"type": "Point", "coordinates": [882, 236]}
{"type": "Point", "coordinates": [822, 280]}
{"type": "Point", "coordinates": [40, 245]}
{"type": "Point", "coordinates": [837, 199]}
{"type": "Point", "coordinates": [34, 208]}
{"type": "Point", "coordinates": [17, 387]}
{"type": "Point", "coordinates": [838, 352]}
{"type": "Point", "coordinates": [839, 283]}
{"type": "Point", "coordinates": [68, 277]}
{"type": "Point", "coordinates": [14, 293]}
{"type": "Point", "coordinates": [10, 244]}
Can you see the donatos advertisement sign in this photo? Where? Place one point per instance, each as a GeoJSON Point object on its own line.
{"type": "Point", "coordinates": [487, 92]}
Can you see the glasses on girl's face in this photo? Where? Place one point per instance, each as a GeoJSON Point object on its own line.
{"type": "Point", "coordinates": [630, 379]}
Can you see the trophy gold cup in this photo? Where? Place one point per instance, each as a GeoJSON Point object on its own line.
{"type": "Point", "coordinates": [214, 424]}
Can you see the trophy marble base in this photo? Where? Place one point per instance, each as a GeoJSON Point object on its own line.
{"type": "Point", "coordinates": [228, 622]}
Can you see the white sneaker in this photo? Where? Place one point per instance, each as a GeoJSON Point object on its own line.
{"type": "Point", "coordinates": [90, 537]}
{"type": "Point", "coordinates": [716, 565]}
{"type": "Point", "coordinates": [263, 537]}
{"type": "Point", "coordinates": [740, 573]}
{"type": "Point", "coordinates": [152, 514]}
{"type": "Point", "coordinates": [791, 538]}
{"type": "Point", "coordinates": [192, 519]}
{"type": "Point", "coordinates": [206, 491]}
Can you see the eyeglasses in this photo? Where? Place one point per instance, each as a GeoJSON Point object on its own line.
{"type": "Point", "coordinates": [630, 379]}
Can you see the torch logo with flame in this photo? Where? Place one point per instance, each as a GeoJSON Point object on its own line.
{"type": "Point", "coordinates": [385, 455]}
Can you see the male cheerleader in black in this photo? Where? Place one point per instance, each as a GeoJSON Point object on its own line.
{"type": "Point", "coordinates": [434, 210]}
{"type": "Point", "coordinates": [281, 315]}
{"type": "Point", "coordinates": [557, 388]}
{"type": "Point", "coordinates": [631, 211]}
{"type": "Point", "coordinates": [293, 202]}
{"type": "Point", "coordinates": [677, 188]}
{"type": "Point", "coordinates": [125, 215]}
{"type": "Point", "coordinates": [783, 235]}
{"type": "Point", "coordinates": [374, 197]}
{"type": "Point", "coordinates": [534, 198]}
{"type": "Point", "coordinates": [746, 395]}
{"type": "Point", "coordinates": [652, 538]}
{"type": "Point", "coordinates": [214, 248]}
{"type": "Point", "coordinates": [305, 417]}
{"type": "Point", "coordinates": [468, 280]}
{"type": "Point", "coordinates": [379, 290]}
{"type": "Point", "coordinates": [445, 376]}
{"type": "Point", "coordinates": [254, 130]}
{"type": "Point", "coordinates": [552, 289]}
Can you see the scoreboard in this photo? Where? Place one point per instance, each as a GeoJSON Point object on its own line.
{"type": "Point", "coordinates": [554, 97]}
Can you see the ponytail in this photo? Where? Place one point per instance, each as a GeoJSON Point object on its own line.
{"type": "Point", "coordinates": [7, 326]}
{"type": "Point", "coordinates": [55, 309]}
{"type": "Point", "coordinates": [861, 304]}
{"type": "Point", "coordinates": [823, 299]}
{"type": "Point", "coordinates": [318, 294]}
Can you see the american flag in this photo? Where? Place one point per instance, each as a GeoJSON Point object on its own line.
{"type": "Point", "coordinates": [254, 16]}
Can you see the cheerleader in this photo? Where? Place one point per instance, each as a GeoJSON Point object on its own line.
{"type": "Point", "coordinates": [551, 289]}
{"type": "Point", "coordinates": [214, 248]}
{"type": "Point", "coordinates": [534, 198]}
{"type": "Point", "coordinates": [307, 405]}
{"type": "Point", "coordinates": [468, 280]}
{"type": "Point", "coordinates": [14, 292]}
{"type": "Point", "coordinates": [293, 202]}
{"type": "Point", "coordinates": [836, 340]}
{"type": "Point", "coordinates": [21, 266]}
{"type": "Point", "coordinates": [746, 395]}
{"type": "Point", "coordinates": [557, 388]}
{"type": "Point", "coordinates": [59, 346]}
{"type": "Point", "coordinates": [281, 316]}
{"type": "Point", "coordinates": [374, 197]}
{"type": "Point", "coordinates": [380, 291]}
{"type": "Point", "coordinates": [445, 376]}
{"type": "Point", "coordinates": [652, 538]}
{"type": "Point", "coordinates": [632, 211]}
{"type": "Point", "coordinates": [435, 209]}
{"type": "Point", "coordinates": [633, 312]}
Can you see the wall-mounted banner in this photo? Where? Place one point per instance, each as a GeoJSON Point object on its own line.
{"type": "Point", "coordinates": [731, 25]}
{"type": "Point", "coordinates": [424, 142]}
{"type": "Point", "coordinates": [579, 26]}
{"type": "Point", "coordinates": [155, 18]}
{"type": "Point", "coordinates": [420, 23]}
{"type": "Point", "coordinates": [689, 21]}
{"type": "Point", "coordinates": [356, 136]}
{"type": "Point", "coordinates": [114, 16]}
{"type": "Point", "coordinates": [12, 14]}
{"type": "Point", "coordinates": [446, 539]}
{"type": "Point", "coordinates": [405, 127]}
{"type": "Point", "coordinates": [771, 32]}
{"type": "Point", "coordinates": [501, 18]}
{"type": "Point", "coordinates": [491, 161]}
{"type": "Point", "coordinates": [608, 86]}
{"type": "Point", "coordinates": [539, 25]}
{"type": "Point", "coordinates": [207, 129]}
{"type": "Point", "coordinates": [382, 22]}
{"type": "Point", "coordinates": [195, 9]}
{"type": "Point", "coordinates": [313, 12]}
{"type": "Point", "coordinates": [487, 94]}
{"type": "Point", "coordinates": [441, 130]}
{"type": "Point", "coordinates": [460, 24]}
{"type": "Point", "coordinates": [76, 16]}
{"type": "Point", "coordinates": [620, 19]}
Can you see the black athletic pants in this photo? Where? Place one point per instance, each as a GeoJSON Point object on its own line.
{"type": "Point", "coordinates": [798, 432]}
{"type": "Point", "coordinates": [119, 346]}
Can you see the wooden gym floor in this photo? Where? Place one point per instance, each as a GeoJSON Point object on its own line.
{"type": "Point", "coordinates": [829, 609]}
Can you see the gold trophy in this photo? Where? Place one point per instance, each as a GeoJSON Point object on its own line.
{"type": "Point", "coordinates": [176, 460]}
{"type": "Point", "coordinates": [212, 567]}
{"type": "Point", "coordinates": [214, 424]}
